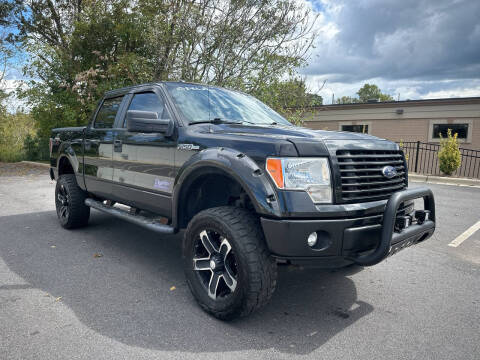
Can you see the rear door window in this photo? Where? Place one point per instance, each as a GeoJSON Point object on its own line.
{"type": "Point", "coordinates": [107, 113]}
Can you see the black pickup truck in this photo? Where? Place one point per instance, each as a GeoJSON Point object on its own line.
{"type": "Point", "coordinates": [251, 189]}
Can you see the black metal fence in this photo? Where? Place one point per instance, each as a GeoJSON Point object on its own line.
{"type": "Point", "coordinates": [422, 158]}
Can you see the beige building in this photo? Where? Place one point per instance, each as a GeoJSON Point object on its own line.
{"type": "Point", "coordinates": [411, 120]}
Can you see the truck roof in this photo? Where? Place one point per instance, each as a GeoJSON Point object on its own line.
{"type": "Point", "coordinates": [126, 89]}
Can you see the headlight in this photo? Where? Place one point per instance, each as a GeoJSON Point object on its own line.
{"type": "Point", "coordinates": [307, 174]}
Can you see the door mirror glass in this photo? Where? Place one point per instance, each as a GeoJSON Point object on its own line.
{"type": "Point", "coordinates": [148, 122]}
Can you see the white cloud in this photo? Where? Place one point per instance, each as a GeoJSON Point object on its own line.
{"type": "Point", "coordinates": [458, 92]}
{"type": "Point", "coordinates": [418, 48]}
{"type": "Point", "coordinates": [402, 89]}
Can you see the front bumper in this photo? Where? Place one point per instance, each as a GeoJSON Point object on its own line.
{"type": "Point", "coordinates": [363, 240]}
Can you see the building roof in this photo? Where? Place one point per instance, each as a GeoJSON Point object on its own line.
{"type": "Point", "coordinates": [403, 103]}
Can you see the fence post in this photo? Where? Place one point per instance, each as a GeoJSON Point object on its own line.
{"type": "Point", "coordinates": [416, 156]}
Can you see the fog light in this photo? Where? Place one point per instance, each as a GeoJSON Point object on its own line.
{"type": "Point", "coordinates": [312, 239]}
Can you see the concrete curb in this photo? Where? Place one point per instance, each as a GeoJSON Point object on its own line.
{"type": "Point", "coordinates": [443, 180]}
{"type": "Point", "coordinates": [36, 163]}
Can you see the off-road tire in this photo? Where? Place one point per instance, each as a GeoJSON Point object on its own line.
{"type": "Point", "coordinates": [78, 213]}
{"type": "Point", "coordinates": [256, 269]}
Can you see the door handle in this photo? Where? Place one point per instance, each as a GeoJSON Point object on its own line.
{"type": "Point", "coordinates": [117, 146]}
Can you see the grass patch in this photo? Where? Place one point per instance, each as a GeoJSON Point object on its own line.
{"type": "Point", "coordinates": [11, 154]}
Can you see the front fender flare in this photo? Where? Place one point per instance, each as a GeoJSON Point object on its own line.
{"type": "Point", "coordinates": [238, 166]}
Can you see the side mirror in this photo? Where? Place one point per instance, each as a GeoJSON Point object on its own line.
{"type": "Point", "coordinates": [148, 122]}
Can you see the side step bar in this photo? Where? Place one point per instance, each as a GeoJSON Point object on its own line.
{"type": "Point", "coordinates": [135, 219]}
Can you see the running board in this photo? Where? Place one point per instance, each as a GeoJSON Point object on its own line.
{"type": "Point", "coordinates": [135, 219]}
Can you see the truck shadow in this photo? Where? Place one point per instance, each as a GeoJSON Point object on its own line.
{"type": "Point", "coordinates": [127, 283]}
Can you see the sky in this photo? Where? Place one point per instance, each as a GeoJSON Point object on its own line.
{"type": "Point", "coordinates": [412, 49]}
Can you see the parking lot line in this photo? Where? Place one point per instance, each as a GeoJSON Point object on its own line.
{"type": "Point", "coordinates": [465, 235]}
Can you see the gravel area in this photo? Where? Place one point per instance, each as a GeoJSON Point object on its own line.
{"type": "Point", "coordinates": [21, 169]}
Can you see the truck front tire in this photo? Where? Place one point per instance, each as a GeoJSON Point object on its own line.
{"type": "Point", "coordinates": [227, 264]}
{"type": "Point", "coordinates": [70, 203]}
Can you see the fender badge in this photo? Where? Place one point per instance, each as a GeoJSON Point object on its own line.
{"type": "Point", "coordinates": [187, 147]}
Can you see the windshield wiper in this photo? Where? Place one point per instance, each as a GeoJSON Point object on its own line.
{"type": "Point", "coordinates": [216, 121]}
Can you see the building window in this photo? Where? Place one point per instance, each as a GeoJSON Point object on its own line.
{"type": "Point", "coordinates": [363, 128]}
{"type": "Point", "coordinates": [460, 129]}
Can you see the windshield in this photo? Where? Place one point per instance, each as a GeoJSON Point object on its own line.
{"type": "Point", "coordinates": [203, 103]}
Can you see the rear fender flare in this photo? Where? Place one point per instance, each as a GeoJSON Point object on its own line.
{"type": "Point", "coordinates": [67, 152]}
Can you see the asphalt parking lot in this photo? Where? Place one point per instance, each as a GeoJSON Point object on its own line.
{"type": "Point", "coordinates": [116, 291]}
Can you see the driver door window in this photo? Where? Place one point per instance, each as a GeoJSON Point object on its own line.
{"type": "Point", "coordinates": [148, 101]}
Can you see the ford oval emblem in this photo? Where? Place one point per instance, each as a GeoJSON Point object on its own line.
{"type": "Point", "coordinates": [389, 171]}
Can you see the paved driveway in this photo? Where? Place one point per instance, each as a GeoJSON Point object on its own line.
{"type": "Point", "coordinates": [106, 292]}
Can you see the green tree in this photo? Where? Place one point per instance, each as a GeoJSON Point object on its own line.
{"type": "Point", "coordinates": [79, 49]}
{"type": "Point", "coordinates": [289, 97]}
{"type": "Point", "coordinates": [449, 153]}
{"type": "Point", "coordinates": [365, 93]}
{"type": "Point", "coordinates": [5, 48]}
{"type": "Point", "coordinates": [372, 91]}
{"type": "Point", "coordinates": [287, 94]}
{"type": "Point", "coordinates": [347, 100]}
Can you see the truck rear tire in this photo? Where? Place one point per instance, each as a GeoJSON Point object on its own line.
{"type": "Point", "coordinates": [227, 264]}
{"type": "Point", "coordinates": [70, 203]}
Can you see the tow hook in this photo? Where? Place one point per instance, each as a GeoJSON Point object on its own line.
{"type": "Point", "coordinates": [403, 222]}
{"type": "Point", "coordinates": [422, 216]}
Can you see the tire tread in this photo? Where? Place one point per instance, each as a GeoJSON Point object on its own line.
{"type": "Point", "coordinates": [262, 268]}
{"type": "Point", "coordinates": [79, 212]}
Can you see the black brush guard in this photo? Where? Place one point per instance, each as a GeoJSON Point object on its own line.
{"type": "Point", "coordinates": [392, 241]}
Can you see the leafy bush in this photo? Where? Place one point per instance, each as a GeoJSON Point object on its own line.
{"type": "Point", "coordinates": [402, 147]}
{"type": "Point", "coordinates": [449, 154]}
{"type": "Point", "coordinates": [9, 154]}
{"type": "Point", "coordinates": [14, 128]}
{"type": "Point", "coordinates": [36, 148]}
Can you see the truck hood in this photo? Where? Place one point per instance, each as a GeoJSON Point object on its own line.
{"type": "Point", "coordinates": [290, 132]}
{"type": "Point", "coordinates": [308, 142]}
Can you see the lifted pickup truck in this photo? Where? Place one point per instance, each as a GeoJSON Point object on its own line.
{"type": "Point", "coordinates": [251, 189]}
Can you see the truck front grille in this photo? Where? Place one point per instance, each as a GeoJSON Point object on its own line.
{"type": "Point", "coordinates": [361, 174]}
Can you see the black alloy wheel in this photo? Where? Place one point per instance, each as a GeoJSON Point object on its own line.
{"type": "Point", "coordinates": [63, 203]}
{"type": "Point", "coordinates": [215, 263]}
